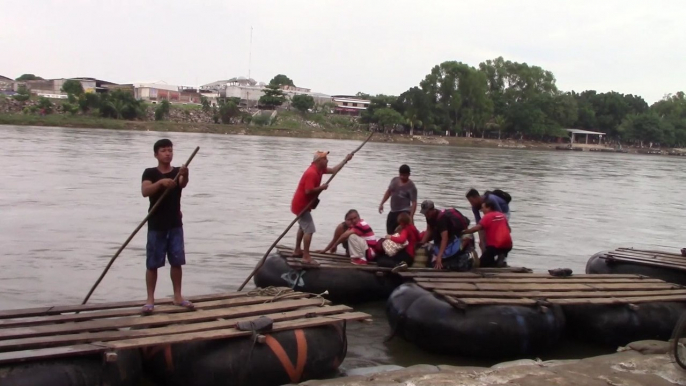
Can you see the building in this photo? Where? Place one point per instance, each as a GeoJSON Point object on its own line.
{"type": "Point", "coordinates": [156, 91]}
{"type": "Point", "coordinates": [249, 91]}
{"type": "Point", "coordinates": [52, 88]}
{"type": "Point", "coordinates": [349, 105]}
{"type": "Point", "coordinates": [574, 132]}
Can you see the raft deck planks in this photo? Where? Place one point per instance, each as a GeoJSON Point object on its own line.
{"type": "Point", "coordinates": [47, 332]}
{"type": "Point", "coordinates": [462, 289]}
{"type": "Point", "coordinates": [649, 258]}
{"type": "Point", "coordinates": [337, 261]}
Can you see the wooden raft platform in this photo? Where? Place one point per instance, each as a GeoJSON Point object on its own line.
{"type": "Point", "coordinates": [338, 261]}
{"type": "Point", "coordinates": [61, 331]}
{"type": "Point", "coordinates": [462, 289]}
{"type": "Point", "coordinates": [649, 258]}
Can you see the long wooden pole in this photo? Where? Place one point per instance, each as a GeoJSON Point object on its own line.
{"type": "Point", "coordinates": [261, 262]}
{"type": "Point", "coordinates": [150, 212]}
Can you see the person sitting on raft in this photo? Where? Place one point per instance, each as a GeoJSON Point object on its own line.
{"type": "Point", "coordinates": [360, 237]}
{"type": "Point", "coordinates": [340, 229]}
{"type": "Point", "coordinates": [445, 227]}
{"type": "Point", "coordinates": [497, 233]}
{"type": "Point", "coordinates": [404, 257]}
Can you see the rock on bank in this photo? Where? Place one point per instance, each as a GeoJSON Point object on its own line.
{"type": "Point", "coordinates": [640, 363]}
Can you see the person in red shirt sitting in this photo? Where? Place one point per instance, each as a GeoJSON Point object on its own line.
{"type": "Point", "coordinates": [404, 257]}
{"type": "Point", "coordinates": [308, 190]}
{"type": "Point", "coordinates": [497, 234]}
{"type": "Point", "coordinates": [360, 238]}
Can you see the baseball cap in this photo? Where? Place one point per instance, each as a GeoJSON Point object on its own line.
{"type": "Point", "coordinates": [426, 206]}
{"type": "Point", "coordinates": [319, 154]}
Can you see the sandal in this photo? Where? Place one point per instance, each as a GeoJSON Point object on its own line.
{"type": "Point", "coordinates": [186, 304]}
{"type": "Point", "coordinates": [147, 309]}
{"type": "Point", "coordinates": [311, 263]}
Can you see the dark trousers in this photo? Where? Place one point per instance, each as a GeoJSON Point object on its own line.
{"type": "Point", "coordinates": [488, 257]}
{"type": "Point", "coordinates": [392, 221]}
{"type": "Point", "coordinates": [390, 262]}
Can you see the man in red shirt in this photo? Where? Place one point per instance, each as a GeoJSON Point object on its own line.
{"type": "Point", "coordinates": [308, 189]}
{"type": "Point", "coordinates": [497, 235]}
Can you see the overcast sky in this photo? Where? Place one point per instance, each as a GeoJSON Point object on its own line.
{"type": "Point", "coordinates": [346, 46]}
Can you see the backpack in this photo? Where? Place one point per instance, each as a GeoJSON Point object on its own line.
{"type": "Point", "coordinates": [458, 221]}
{"type": "Point", "coordinates": [500, 193]}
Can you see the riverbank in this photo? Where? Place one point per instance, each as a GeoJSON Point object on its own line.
{"type": "Point", "coordinates": [639, 363]}
{"type": "Point", "coordinates": [304, 131]}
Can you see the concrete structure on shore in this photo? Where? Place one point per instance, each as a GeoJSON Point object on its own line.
{"type": "Point", "coordinates": [249, 91]}
{"type": "Point", "coordinates": [52, 88]}
{"type": "Point", "coordinates": [349, 105]}
{"type": "Point", "coordinates": [574, 132]}
{"type": "Point", "coordinates": [640, 363]}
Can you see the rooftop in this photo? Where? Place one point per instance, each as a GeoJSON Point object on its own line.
{"type": "Point", "coordinates": [579, 131]}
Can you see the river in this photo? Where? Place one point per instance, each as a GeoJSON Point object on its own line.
{"type": "Point", "coordinates": [70, 197]}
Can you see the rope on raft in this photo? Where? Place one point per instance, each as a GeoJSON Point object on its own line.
{"type": "Point", "coordinates": [278, 293]}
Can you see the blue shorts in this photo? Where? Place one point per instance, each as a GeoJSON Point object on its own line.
{"type": "Point", "coordinates": [165, 243]}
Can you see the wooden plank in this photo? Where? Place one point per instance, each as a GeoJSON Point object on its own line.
{"type": "Point", "coordinates": [651, 263]}
{"type": "Point", "coordinates": [497, 280]}
{"type": "Point", "coordinates": [546, 287]}
{"type": "Point", "coordinates": [675, 254]}
{"type": "Point", "coordinates": [71, 339]}
{"type": "Point", "coordinates": [622, 300]}
{"type": "Point", "coordinates": [231, 332]}
{"type": "Point", "coordinates": [550, 294]}
{"type": "Point", "coordinates": [135, 311]}
{"type": "Point", "coordinates": [371, 268]}
{"type": "Point", "coordinates": [56, 310]}
{"type": "Point", "coordinates": [156, 320]}
{"type": "Point", "coordinates": [669, 260]}
{"type": "Point", "coordinates": [495, 302]}
{"type": "Point", "coordinates": [513, 275]}
{"type": "Point", "coordinates": [55, 352]}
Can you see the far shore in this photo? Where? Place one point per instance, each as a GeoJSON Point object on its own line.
{"type": "Point", "coordinates": [306, 132]}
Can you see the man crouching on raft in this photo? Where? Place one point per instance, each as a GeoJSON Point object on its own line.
{"type": "Point", "coordinates": [309, 189]}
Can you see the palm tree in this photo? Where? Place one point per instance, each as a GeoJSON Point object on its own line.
{"type": "Point", "coordinates": [412, 120]}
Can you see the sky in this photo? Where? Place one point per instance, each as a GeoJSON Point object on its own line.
{"type": "Point", "coordinates": [345, 46]}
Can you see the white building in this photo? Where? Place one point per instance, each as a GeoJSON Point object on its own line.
{"type": "Point", "coordinates": [249, 91]}
{"type": "Point", "coordinates": [349, 105]}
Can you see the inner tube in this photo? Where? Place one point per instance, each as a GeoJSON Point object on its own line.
{"type": "Point", "coordinates": [291, 356]}
{"type": "Point", "coordinates": [77, 371]}
{"type": "Point", "coordinates": [620, 324]}
{"type": "Point", "coordinates": [348, 286]}
{"type": "Point", "coordinates": [488, 331]}
{"type": "Point", "coordinates": [597, 265]}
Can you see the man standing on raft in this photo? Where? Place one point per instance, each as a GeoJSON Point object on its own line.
{"type": "Point", "coordinates": [309, 189]}
{"type": "Point", "coordinates": [403, 195]}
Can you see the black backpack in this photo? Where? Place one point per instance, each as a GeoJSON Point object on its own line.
{"type": "Point", "coordinates": [500, 193]}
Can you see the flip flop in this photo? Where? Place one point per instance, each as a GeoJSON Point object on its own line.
{"type": "Point", "coordinates": [312, 263]}
{"type": "Point", "coordinates": [147, 309]}
{"type": "Point", "coordinates": [186, 304]}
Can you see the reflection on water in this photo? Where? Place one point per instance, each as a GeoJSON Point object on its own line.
{"type": "Point", "coordinates": [70, 197]}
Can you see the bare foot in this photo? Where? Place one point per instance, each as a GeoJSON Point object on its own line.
{"type": "Point", "coordinates": [297, 252]}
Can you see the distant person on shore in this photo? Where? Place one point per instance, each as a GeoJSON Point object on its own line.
{"type": "Point", "coordinates": [309, 189]}
{"type": "Point", "coordinates": [165, 228]}
{"type": "Point", "coordinates": [500, 201]}
{"type": "Point", "coordinates": [445, 228]}
{"type": "Point", "coordinates": [403, 195]}
{"type": "Point", "coordinates": [360, 237]}
{"type": "Point", "coordinates": [497, 235]}
{"type": "Point", "coordinates": [405, 257]}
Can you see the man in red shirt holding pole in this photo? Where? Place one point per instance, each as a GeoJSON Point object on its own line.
{"type": "Point", "coordinates": [309, 189]}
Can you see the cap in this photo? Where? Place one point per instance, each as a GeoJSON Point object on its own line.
{"type": "Point", "coordinates": [319, 154]}
{"type": "Point", "coordinates": [426, 206]}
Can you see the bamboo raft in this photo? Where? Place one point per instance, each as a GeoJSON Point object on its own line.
{"type": "Point", "coordinates": [659, 259]}
{"type": "Point", "coordinates": [107, 328]}
{"type": "Point", "coordinates": [463, 289]}
{"type": "Point", "coordinates": [338, 261]}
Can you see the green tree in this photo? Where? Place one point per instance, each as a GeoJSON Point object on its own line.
{"type": "Point", "coordinates": [162, 110]}
{"type": "Point", "coordinates": [120, 104]}
{"type": "Point", "coordinates": [88, 101]}
{"type": "Point", "coordinates": [387, 117]}
{"type": "Point", "coordinates": [302, 103]}
{"type": "Point", "coordinates": [73, 87]}
{"type": "Point", "coordinates": [69, 108]}
{"type": "Point", "coordinates": [228, 110]}
{"type": "Point", "coordinates": [25, 77]}
{"type": "Point", "coordinates": [22, 94]}
{"type": "Point", "coordinates": [273, 97]}
{"type": "Point", "coordinates": [281, 80]}
{"type": "Point", "coordinates": [205, 103]}
{"type": "Point", "coordinates": [45, 105]}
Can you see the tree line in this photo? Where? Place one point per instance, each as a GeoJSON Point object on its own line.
{"type": "Point", "coordinates": [502, 98]}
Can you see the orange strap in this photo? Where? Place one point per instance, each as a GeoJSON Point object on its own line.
{"type": "Point", "coordinates": [294, 373]}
